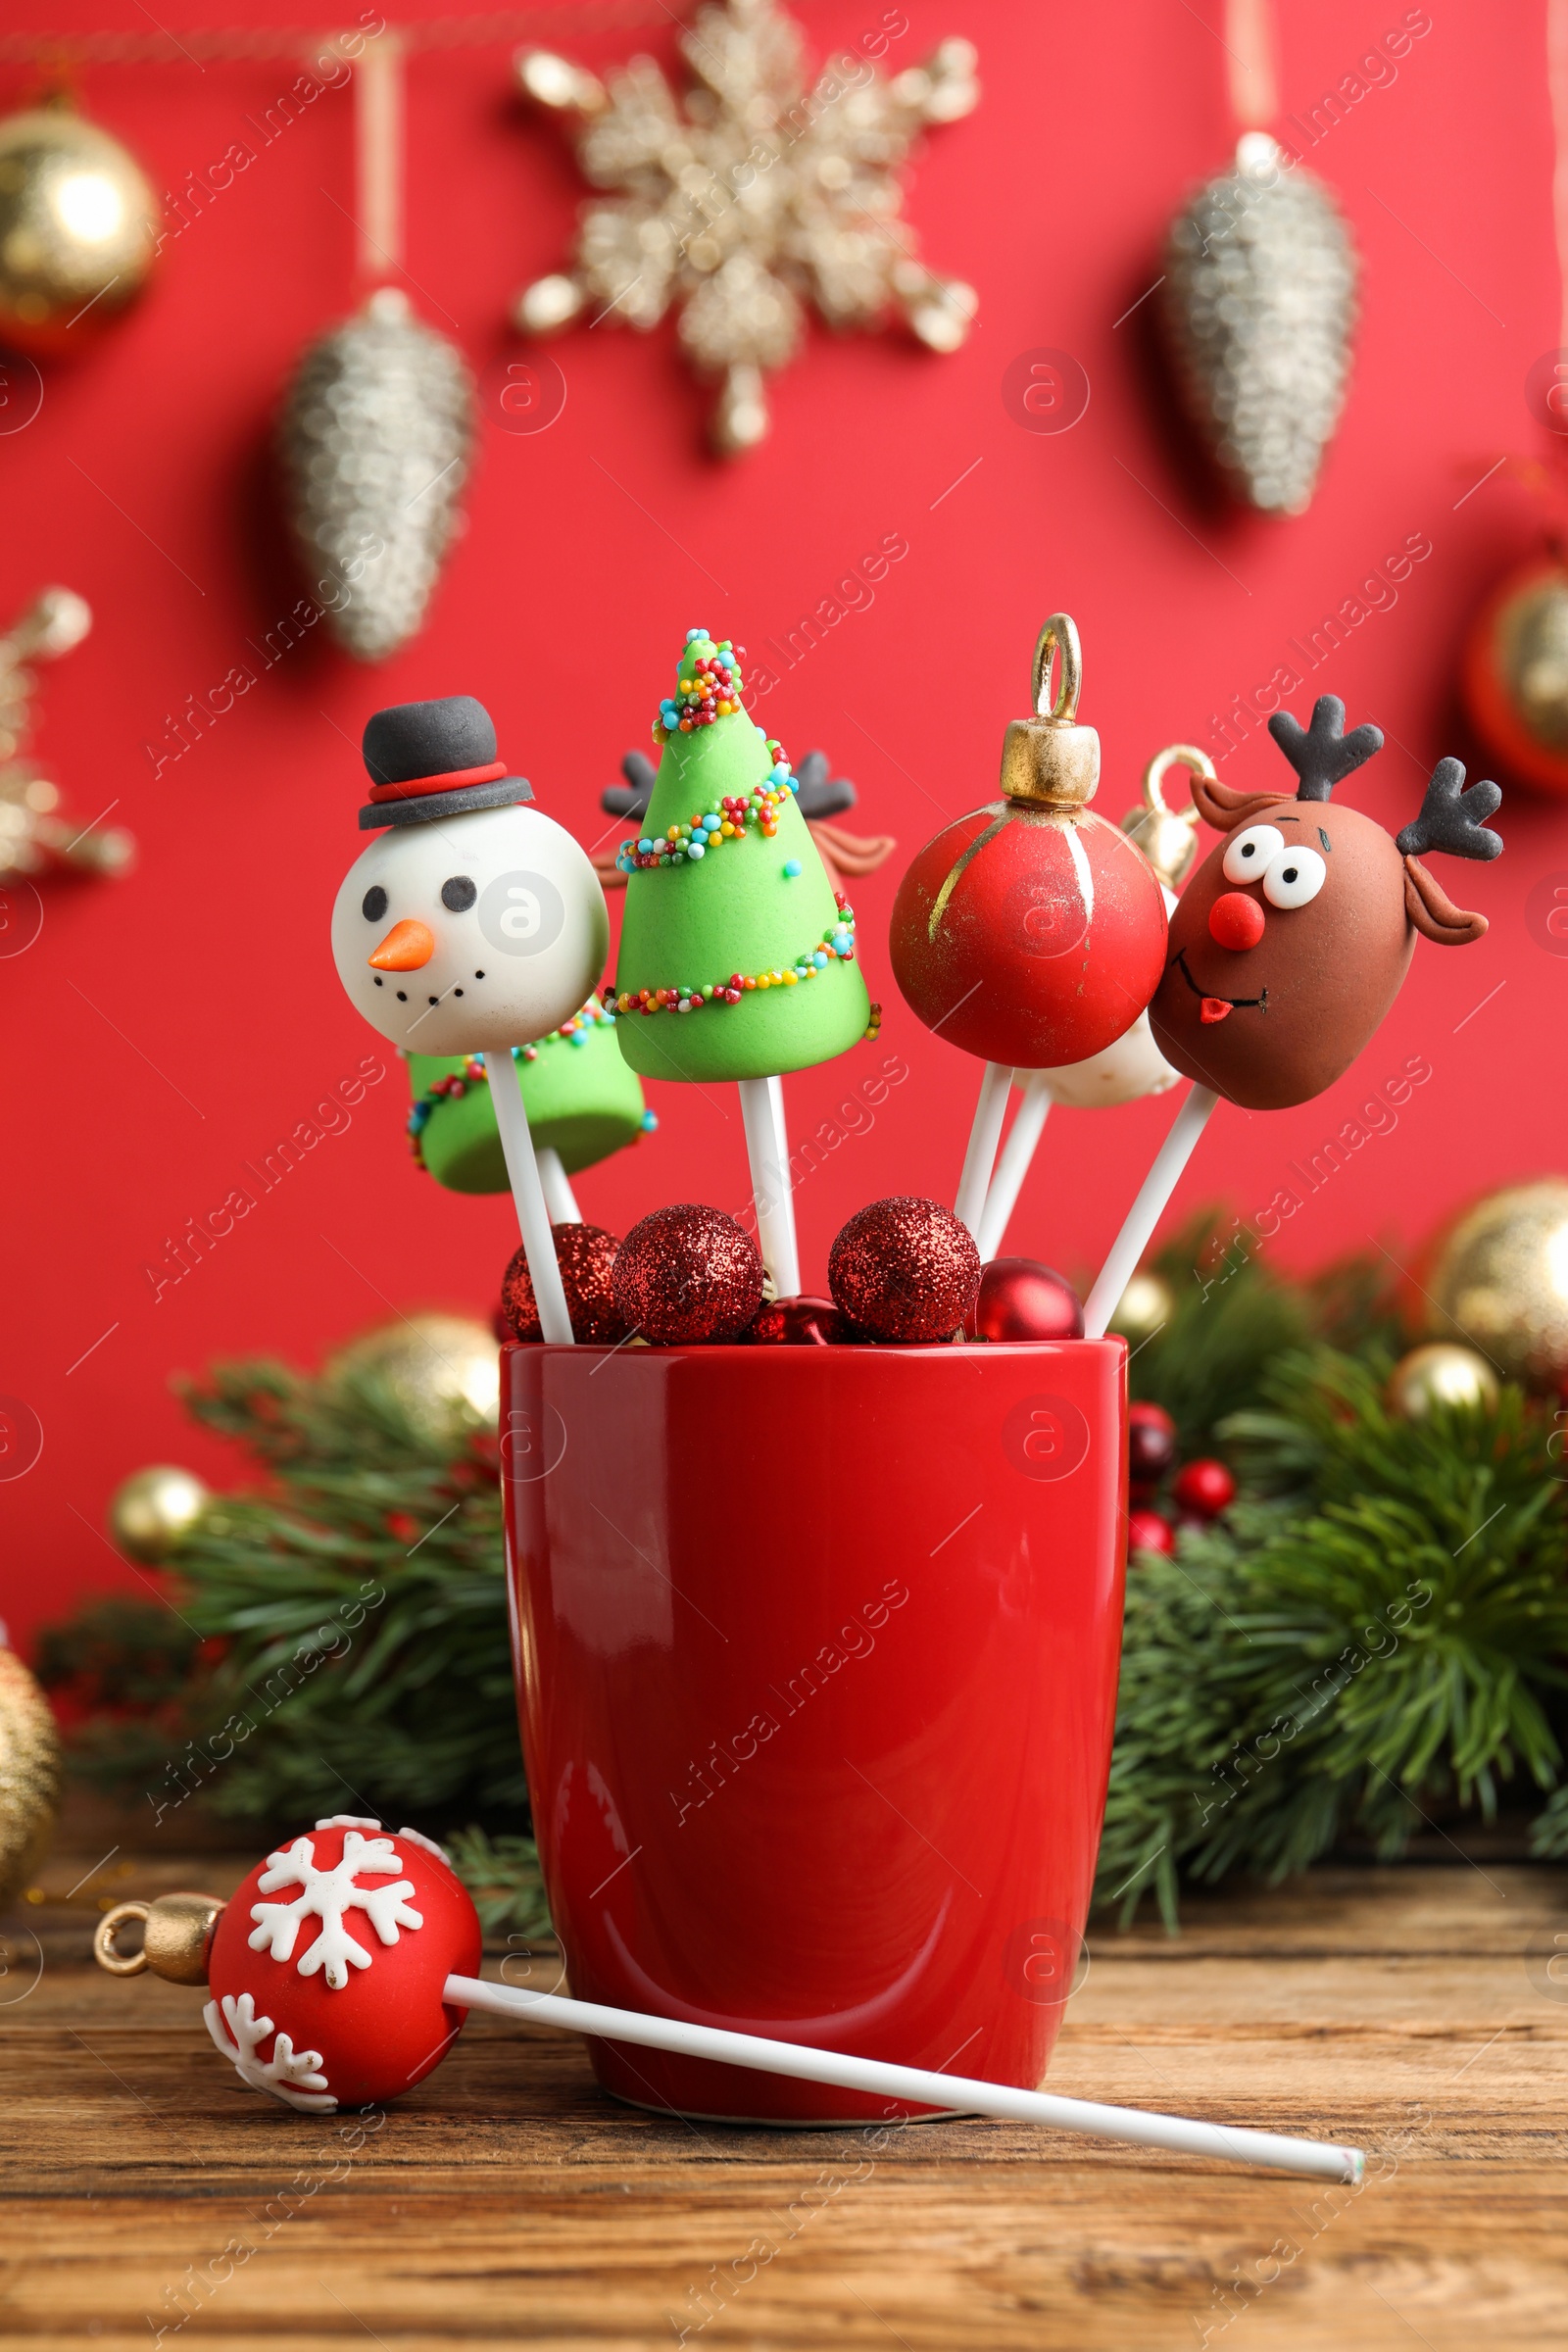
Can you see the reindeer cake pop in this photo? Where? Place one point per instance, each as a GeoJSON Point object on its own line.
{"type": "Point", "coordinates": [1293, 939]}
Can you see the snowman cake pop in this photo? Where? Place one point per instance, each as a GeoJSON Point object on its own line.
{"type": "Point", "coordinates": [471, 924]}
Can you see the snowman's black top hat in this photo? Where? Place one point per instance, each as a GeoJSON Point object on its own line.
{"type": "Point", "coordinates": [433, 759]}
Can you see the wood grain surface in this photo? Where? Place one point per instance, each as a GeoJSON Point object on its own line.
{"type": "Point", "coordinates": [149, 2197]}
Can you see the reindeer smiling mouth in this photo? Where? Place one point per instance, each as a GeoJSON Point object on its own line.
{"type": "Point", "coordinates": [1215, 1008]}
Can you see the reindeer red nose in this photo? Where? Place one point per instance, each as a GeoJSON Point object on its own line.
{"type": "Point", "coordinates": [1235, 921]}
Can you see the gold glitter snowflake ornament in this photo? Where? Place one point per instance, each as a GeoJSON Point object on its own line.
{"type": "Point", "coordinates": [763, 194]}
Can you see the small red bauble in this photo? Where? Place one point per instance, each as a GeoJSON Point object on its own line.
{"type": "Point", "coordinates": [1206, 1487]}
{"type": "Point", "coordinates": [1151, 1442]}
{"type": "Point", "coordinates": [1022, 1300]}
{"type": "Point", "coordinates": [687, 1273]}
{"type": "Point", "coordinates": [905, 1269]}
{"type": "Point", "coordinates": [586, 1257]}
{"type": "Point", "coordinates": [1029, 938]}
{"type": "Point", "coordinates": [1147, 1530]}
{"type": "Point", "coordinates": [327, 1966]}
{"type": "Point", "coordinates": [798, 1323]}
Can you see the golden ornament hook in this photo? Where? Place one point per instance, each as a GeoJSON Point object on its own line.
{"type": "Point", "coordinates": [1059, 636]}
{"type": "Point", "coordinates": [119, 1964]}
{"type": "Point", "coordinates": [1167, 836]}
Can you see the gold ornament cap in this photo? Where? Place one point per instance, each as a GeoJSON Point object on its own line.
{"type": "Point", "coordinates": [176, 1938]}
{"type": "Point", "coordinates": [1050, 761]}
{"type": "Point", "coordinates": [1169, 837]}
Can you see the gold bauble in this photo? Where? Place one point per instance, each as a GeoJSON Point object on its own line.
{"type": "Point", "coordinates": [156, 1508]}
{"type": "Point", "coordinates": [29, 1775]}
{"type": "Point", "coordinates": [444, 1370]}
{"type": "Point", "coordinates": [1501, 1281]}
{"type": "Point", "coordinates": [1440, 1373]}
{"type": "Point", "coordinates": [1144, 1305]}
{"type": "Point", "coordinates": [79, 230]}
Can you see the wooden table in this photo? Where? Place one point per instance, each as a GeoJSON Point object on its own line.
{"type": "Point", "coordinates": [505, 2201]}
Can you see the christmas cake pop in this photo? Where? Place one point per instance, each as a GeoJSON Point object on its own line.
{"type": "Point", "coordinates": [582, 1098]}
{"type": "Point", "coordinates": [1294, 937]}
{"type": "Point", "coordinates": [1292, 942]}
{"type": "Point", "coordinates": [821, 797]}
{"type": "Point", "coordinates": [737, 956]}
{"type": "Point", "coordinates": [1031, 932]}
{"type": "Point", "coordinates": [472, 924]}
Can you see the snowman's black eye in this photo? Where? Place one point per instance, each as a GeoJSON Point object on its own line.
{"type": "Point", "coordinates": [458, 895]}
{"type": "Point", "coordinates": [373, 905]}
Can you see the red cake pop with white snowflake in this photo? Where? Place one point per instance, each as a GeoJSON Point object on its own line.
{"type": "Point", "coordinates": [327, 1966]}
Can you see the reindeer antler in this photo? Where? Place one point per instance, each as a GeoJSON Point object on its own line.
{"type": "Point", "coordinates": [630, 798]}
{"type": "Point", "coordinates": [1453, 818]}
{"type": "Point", "coordinates": [1323, 755]}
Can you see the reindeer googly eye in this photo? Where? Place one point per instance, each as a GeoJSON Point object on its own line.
{"type": "Point", "coordinates": [1250, 854]}
{"type": "Point", "coordinates": [1294, 878]}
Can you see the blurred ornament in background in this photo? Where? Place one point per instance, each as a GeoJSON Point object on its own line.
{"type": "Point", "coordinates": [768, 193]}
{"type": "Point", "coordinates": [1440, 1373]}
{"type": "Point", "coordinates": [1514, 673]}
{"type": "Point", "coordinates": [29, 1774]}
{"type": "Point", "coordinates": [442, 1369]}
{"type": "Point", "coordinates": [34, 839]}
{"type": "Point", "coordinates": [79, 230]}
{"type": "Point", "coordinates": [1258, 301]}
{"type": "Point", "coordinates": [153, 1511]}
{"type": "Point", "coordinates": [376, 436]}
{"type": "Point", "coordinates": [1145, 1306]}
{"type": "Point", "coordinates": [1501, 1281]}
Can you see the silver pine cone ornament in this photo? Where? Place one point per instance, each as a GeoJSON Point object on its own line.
{"type": "Point", "coordinates": [1259, 301]}
{"type": "Point", "coordinates": [375, 437]}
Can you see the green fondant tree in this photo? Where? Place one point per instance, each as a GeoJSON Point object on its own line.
{"type": "Point", "coordinates": [725, 885]}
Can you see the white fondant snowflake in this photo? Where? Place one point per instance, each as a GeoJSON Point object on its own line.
{"type": "Point", "coordinates": [293, 2075]}
{"type": "Point", "coordinates": [328, 1895]}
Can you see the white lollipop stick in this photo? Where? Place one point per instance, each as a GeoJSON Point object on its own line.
{"type": "Point", "coordinates": [768, 1153]}
{"type": "Point", "coordinates": [946, 2092]}
{"type": "Point", "coordinates": [559, 1198]}
{"type": "Point", "coordinates": [1145, 1213]}
{"type": "Point", "coordinates": [528, 1197]}
{"type": "Point", "coordinates": [984, 1137]}
{"type": "Point", "coordinates": [1017, 1155]}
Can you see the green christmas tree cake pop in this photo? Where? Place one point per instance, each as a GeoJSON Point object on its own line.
{"type": "Point", "coordinates": [737, 956]}
{"type": "Point", "coordinates": [581, 1094]}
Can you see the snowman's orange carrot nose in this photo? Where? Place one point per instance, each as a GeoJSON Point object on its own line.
{"type": "Point", "coordinates": [404, 948]}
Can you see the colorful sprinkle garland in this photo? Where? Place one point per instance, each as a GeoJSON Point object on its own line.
{"type": "Point", "coordinates": [837, 943]}
{"type": "Point", "coordinates": [712, 691]}
{"type": "Point", "coordinates": [722, 820]}
{"type": "Point", "coordinates": [473, 1072]}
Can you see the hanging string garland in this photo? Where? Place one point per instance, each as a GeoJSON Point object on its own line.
{"type": "Point", "coordinates": [1258, 297]}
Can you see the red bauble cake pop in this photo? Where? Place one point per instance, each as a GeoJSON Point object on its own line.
{"type": "Point", "coordinates": [1032, 932]}
{"type": "Point", "coordinates": [327, 1966]}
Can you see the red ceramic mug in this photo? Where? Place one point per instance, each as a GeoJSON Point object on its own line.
{"type": "Point", "coordinates": [817, 1655]}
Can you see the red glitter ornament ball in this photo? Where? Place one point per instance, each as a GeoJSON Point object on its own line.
{"type": "Point", "coordinates": [1150, 1444]}
{"type": "Point", "coordinates": [905, 1269]}
{"type": "Point", "coordinates": [798, 1323]}
{"type": "Point", "coordinates": [586, 1255]}
{"type": "Point", "coordinates": [1147, 1530]}
{"type": "Point", "coordinates": [687, 1273]}
{"type": "Point", "coordinates": [1204, 1487]}
{"type": "Point", "coordinates": [327, 1966]}
{"type": "Point", "coordinates": [1022, 1300]}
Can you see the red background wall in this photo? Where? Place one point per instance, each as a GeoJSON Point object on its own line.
{"type": "Point", "coordinates": [162, 1030]}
